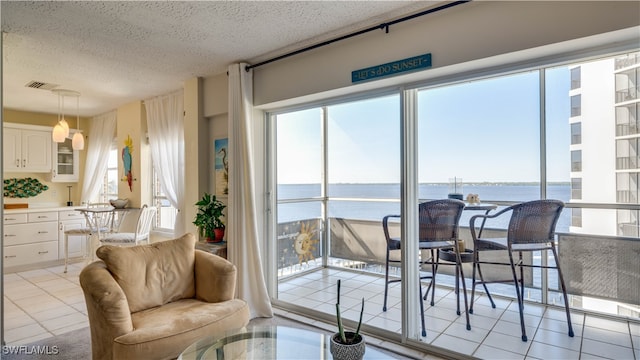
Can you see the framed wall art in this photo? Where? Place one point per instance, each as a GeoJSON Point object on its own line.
{"type": "Point", "coordinates": [221, 166]}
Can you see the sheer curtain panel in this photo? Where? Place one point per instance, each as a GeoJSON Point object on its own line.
{"type": "Point", "coordinates": [103, 131]}
{"type": "Point", "coordinates": [243, 246]}
{"type": "Point", "coordinates": [165, 123]}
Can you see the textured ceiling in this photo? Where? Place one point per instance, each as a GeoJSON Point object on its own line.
{"type": "Point", "coordinates": [116, 52]}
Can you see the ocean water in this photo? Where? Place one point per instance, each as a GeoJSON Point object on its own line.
{"type": "Point", "coordinates": [374, 201]}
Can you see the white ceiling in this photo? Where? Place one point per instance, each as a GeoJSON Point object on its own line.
{"type": "Point", "coordinates": [115, 52]}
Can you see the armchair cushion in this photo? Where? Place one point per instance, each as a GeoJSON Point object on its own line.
{"type": "Point", "coordinates": [153, 275]}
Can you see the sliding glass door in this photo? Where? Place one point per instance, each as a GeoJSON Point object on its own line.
{"type": "Point", "coordinates": [567, 132]}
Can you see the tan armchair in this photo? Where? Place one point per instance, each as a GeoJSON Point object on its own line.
{"type": "Point", "coordinates": [153, 301]}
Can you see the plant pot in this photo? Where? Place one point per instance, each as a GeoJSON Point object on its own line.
{"type": "Point", "coordinates": [342, 351]}
{"type": "Point", "coordinates": [218, 235]}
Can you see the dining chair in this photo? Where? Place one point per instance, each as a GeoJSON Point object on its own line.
{"type": "Point", "coordinates": [438, 229]}
{"type": "Point", "coordinates": [141, 233]}
{"type": "Point", "coordinates": [104, 223]}
{"type": "Point", "coordinates": [531, 228]}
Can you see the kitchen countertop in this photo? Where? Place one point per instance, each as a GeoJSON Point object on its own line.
{"type": "Point", "coordinates": [41, 209]}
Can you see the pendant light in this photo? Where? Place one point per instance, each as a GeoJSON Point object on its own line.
{"type": "Point", "coordinates": [61, 129]}
{"type": "Point", "coordinates": [78, 140]}
{"type": "Point", "coordinates": [58, 131]}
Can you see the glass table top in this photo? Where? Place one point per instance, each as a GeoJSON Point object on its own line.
{"type": "Point", "coordinates": [270, 342]}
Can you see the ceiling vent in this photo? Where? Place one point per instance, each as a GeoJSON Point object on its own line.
{"type": "Point", "coordinates": [41, 85]}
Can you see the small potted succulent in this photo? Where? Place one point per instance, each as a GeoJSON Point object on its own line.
{"type": "Point", "coordinates": [209, 218]}
{"type": "Point", "coordinates": [347, 345]}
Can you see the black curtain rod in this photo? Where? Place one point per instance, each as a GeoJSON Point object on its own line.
{"type": "Point", "coordinates": [384, 26]}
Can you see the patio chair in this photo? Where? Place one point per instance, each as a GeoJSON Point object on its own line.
{"type": "Point", "coordinates": [139, 236]}
{"type": "Point", "coordinates": [531, 228]}
{"type": "Point", "coordinates": [438, 229]}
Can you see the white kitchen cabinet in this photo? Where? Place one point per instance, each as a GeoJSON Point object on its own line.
{"type": "Point", "coordinates": [22, 233]}
{"type": "Point", "coordinates": [26, 148]}
{"type": "Point", "coordinates": [30, 253]}
{"type": "Point", "coordinates": [30, 237]}
{"type": "Point", "coordinates": [69, 220]}
{"type": "Point", "coordinates": [65, 163]}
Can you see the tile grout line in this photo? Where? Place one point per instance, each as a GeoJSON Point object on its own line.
{"type": "Point", "coordinates": [29, 314]}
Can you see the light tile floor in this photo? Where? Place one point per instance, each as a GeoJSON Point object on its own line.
{"type": "Point", "coordinates": [495, 333]}
{"type": "Point", "coordinates": [46, 302]}
{"type": "Point", "coordinates": [42, 303]}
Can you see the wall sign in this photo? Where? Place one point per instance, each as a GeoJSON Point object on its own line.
{"type": "Point", "coordinates": [392, 68]}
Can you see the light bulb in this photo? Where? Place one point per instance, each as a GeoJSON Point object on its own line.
{"type": "Point", "coordinates": [58, 133]}
{"type": "Point", "coordinates": [65, 127]}
{"type": "Point", "coordinates": [78, 141]}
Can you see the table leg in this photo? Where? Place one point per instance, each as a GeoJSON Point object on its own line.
{"type": "Point", "coordinates": [458, 289]}
{"type": "Point", "coordinates": [482, 225]}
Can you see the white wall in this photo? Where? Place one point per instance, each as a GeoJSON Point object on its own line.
{"type": "Point", "coordinates": [482, 35]}
{"type": "Point", "coordinates": [472, 31]}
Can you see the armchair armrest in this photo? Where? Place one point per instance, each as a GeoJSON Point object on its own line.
{"type": "Point", "coordinates": [215, 277]}
{"type": "Point", "coordinates": [107, 307]}
{"type": "Point", "coordinates": [472, 221]}
{"type": "Point", "coordinates": [392, 244]}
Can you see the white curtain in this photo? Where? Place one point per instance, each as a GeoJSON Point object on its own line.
{"type": "Point", "coordinates": [101, 135]}
{"type": "Point", "coordinates": [165, 123]}
{"type": "Point", "coordinates": [243, 246]}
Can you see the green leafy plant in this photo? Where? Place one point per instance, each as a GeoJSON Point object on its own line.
{"type": "Point", "coordinates": [355, 338]}
{"type": "Point", "coordinates": [209, 216]}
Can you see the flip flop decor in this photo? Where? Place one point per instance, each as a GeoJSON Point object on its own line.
{"type": "Point", "coordinates": [23, 188]}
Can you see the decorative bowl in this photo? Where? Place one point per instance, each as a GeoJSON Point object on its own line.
{"type": "Point", "coordinates": [119, 203]}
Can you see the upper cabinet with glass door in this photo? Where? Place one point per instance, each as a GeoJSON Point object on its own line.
{"type": "Point", "coordinates": [65, 161]}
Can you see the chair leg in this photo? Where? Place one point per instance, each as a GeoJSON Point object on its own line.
{"type": "Point", "coordinates": [473, 280]}
{"type": "Point", "coordinates": [424, 329]}
{"type": "Point", "coordinates": [518, 295]}
{"type": "Point", "coordinates": [464, 287]}
{"type": "Point", "coordinates": [426, 294]}
{"type": "Point", "coordinates": [493, 305]}
{"type": "Point", "coordinates": [476, 263]}
{"type": "Point", "coordinates": [386, 282]}
{"type": "Point", "coordinates": [564, 291]}
{"type": "Point", "coordinates": [434, 270]}
{"type": "Point", "coordinates": [521, 277]}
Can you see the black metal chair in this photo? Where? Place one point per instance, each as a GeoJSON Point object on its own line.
{"type": "Point", "coordinates": [438, 229]}
{"type": "Point", "coordinates": [531, 228]}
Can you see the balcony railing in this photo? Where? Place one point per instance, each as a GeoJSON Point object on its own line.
{"type": "Point", "coordinates": [626, 94]}
{"type": "Point", "coordinates": [627, 196]}
{"type": "Point", "coordinates": [627, 61]}
{"type": "Point", "coordinates": [630, 162]}
{"type": "Point", "coordinates": [604, 267]}
{"type": "Point", "coordinates": [631, 128]}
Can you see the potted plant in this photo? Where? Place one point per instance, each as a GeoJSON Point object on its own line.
{"type": "Point", "coordinates": [347, 345]}
{"type": "Point", "coordinates": [209, 218]}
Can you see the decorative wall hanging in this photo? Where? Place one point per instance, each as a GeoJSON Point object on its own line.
{"type": "Point", "coordinates": [127, 150]}
{"type": "Point", "coordinates": [222, 167]}
{"type": "Point", "coordinates": [304, 244]}
{"type": "Point", "coordinates": [23, 188]}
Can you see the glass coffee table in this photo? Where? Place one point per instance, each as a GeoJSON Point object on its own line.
{"type": "Point", "coordinates": [271, 342]}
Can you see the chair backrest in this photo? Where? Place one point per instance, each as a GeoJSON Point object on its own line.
{"type": "Point", "coordinates": [391, 244]}
{"type": "Point", "coordinates": [95, 205]}
{"type": "Point", "coordinates": [145, 220]}
{"type": "Point", "coordinates": [104, 221]}
{"type": "Point", "coordinates": [439, 219]}
{"type": "Point", "coordinates": [534, 221]}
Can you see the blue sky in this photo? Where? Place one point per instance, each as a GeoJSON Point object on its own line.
{"type": "Point", "coordinates": [485, 130]}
